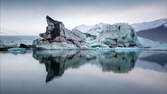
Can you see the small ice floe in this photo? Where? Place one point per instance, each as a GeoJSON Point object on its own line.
{"type": "Point", "coordinates": [17, 50]}
{"type": "Point", "coordinates": [128, 49]}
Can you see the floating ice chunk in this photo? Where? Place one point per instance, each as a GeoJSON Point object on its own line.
{"type": "Point", "coordinates": [17, 50]}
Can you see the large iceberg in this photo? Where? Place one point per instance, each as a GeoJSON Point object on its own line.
{"type": "Point", "coordinates": [110, 36]}
{"type": "Point", "coordinates": [58, 37]}
{"type": "Point", "coordinates": [96, 31]}
{"type": "Point", "coordinates": [116, 35]}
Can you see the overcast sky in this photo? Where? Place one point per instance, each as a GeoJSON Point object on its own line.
{"type": "Point", "coordinates": [28, 16]}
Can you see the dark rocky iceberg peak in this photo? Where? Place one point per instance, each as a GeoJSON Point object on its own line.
{"type": "Point", "coordinates": [52, 30]}
{"type": "Point", "coordinates": [58, 37]}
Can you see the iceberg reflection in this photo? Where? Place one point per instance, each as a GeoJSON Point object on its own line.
{"type": "Point", "coordinates": [58, 61]}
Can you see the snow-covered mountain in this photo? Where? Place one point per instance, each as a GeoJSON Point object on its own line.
{"type": "Point", "coordinates": [155, 30]}
{"type": "Point", "coordinates": [150, 25]}
{"type": "Point", "coordinates": [155, 34]}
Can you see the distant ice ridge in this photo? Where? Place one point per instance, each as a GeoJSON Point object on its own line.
{"type": "Point", "coordinates": [15, 41]}
{"type": "Point", "coordinates": [149, 25]}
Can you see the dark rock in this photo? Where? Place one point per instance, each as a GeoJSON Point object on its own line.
{"type": "Point", "coordinates": [90, 36]}
{"type": "Point", "coordinates": [4, 49]}
{"type": "Point", "coordinates": [23, 46]}
{"type": "Point", "coordinates": [52, 30]}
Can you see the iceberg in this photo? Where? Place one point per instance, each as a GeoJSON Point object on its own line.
{"type": "Point", "coordinates": [108, 36]}
{"type": "Point", "coordinates": [118, 35]}
{"type": "Point", "coordinates": [58, 37]}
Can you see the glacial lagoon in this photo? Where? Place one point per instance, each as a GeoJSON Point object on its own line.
{"type": "Point", "coordinates": [83, 72]}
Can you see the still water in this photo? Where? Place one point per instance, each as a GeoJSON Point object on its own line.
{"type": "Point", "coordinates": [83, 72]}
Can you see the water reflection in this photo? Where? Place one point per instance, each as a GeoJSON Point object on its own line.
{"type": "Point", "coordinates": [58, 61]}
